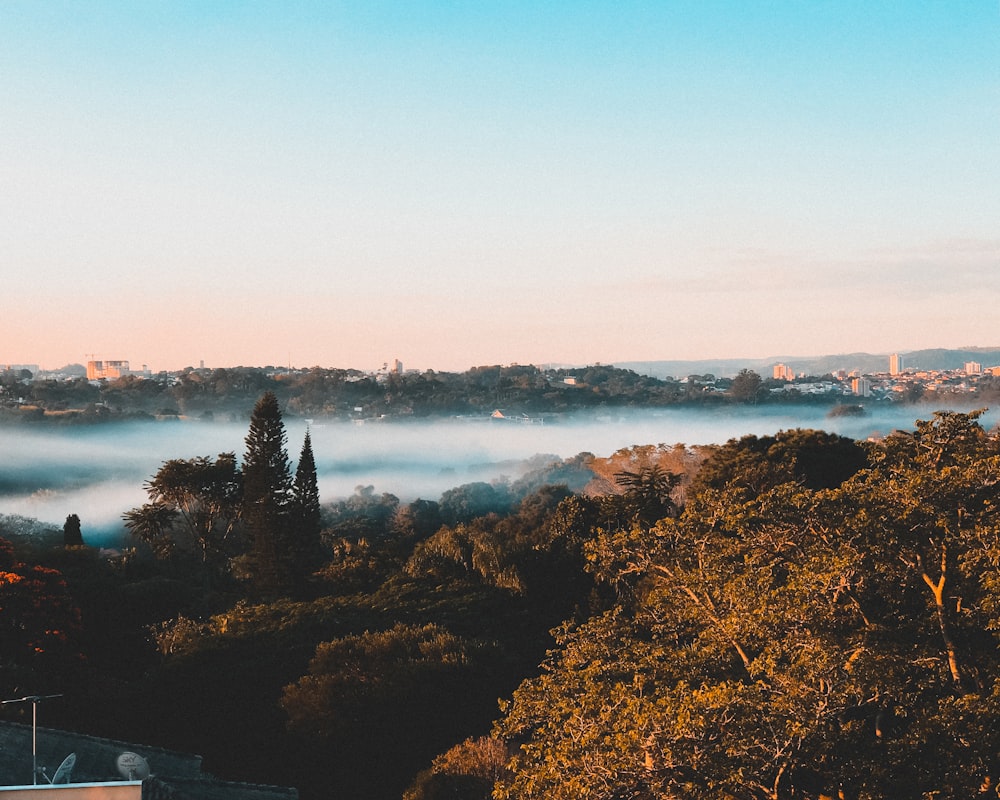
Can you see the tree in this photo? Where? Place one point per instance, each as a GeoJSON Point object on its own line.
{"type": "Point", "coordinates": [931, 512]}
{"type": "Point", "coordinates": [817, 459]}
{"type": "Point", "coordinates": [39, 626]}
{"type": "Point", "coordinates": [646, 497]}
{"type": "Point", "coordinates": [72, 536]}
{"type": "Point", "coordinates": [708, 680]}
{"type": "Point", "coordinates": [746, 386]}
{"type": "Point", "coordinates": [467, 771]}
{"type": "Point", "coordinates": [194, 511]}
{"type": "Point", "coordinates": [417, 520]}
{"type": "Point", "coordinates": [304, 546]}
{"type": "Point", "coordinates": [267, 488]}
{"type": "Point", "coordinates": [376, 707]}
{"type": "Point", "coordinates": [363, 515]}
{"type": "Point", "coordinates": [788, 641]}
{"type": "Point", "coordinates": [471, 500]}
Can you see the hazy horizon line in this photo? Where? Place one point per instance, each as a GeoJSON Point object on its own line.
{"type": "Point", "coordinates": [538, 364]}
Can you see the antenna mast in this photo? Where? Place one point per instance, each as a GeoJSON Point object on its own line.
{"type": "Point", "coordinates": [34, 699]}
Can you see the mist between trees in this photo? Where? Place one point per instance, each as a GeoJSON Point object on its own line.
{"type": "Point", "coordinates": [786, 615]}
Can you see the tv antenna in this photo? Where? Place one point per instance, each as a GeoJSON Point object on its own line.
{"type": "Point", "coordinates": [34, 699]}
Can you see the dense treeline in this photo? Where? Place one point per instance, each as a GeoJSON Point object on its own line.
{"type": "Point", "coordinates": [786, 636]}
{"type": "Point", "coordinates": [347, 393]}
{"type": "Point", "coordinates": [339, 393]}
{"type": "Point", "coordinates": [790, 616]}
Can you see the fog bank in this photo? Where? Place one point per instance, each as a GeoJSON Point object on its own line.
{"type": "Point", "coordinates": [98, 472]}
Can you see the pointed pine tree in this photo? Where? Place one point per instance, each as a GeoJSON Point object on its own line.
{"type": "Point", "coordinates": [305, 548]}
{"type": "Point", "coordinates": [267, 494]}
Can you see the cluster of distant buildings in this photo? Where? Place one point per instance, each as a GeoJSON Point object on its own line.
{"type": "Point", "coordinates": [113, 370]}
{"type": "Point", "coordinates": [898, 380]}
{"type": "Point", "coordinates": [96, 370]}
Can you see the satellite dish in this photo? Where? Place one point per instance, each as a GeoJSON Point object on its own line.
{"type": "Point", "coordinates": [65, 769]}
{"type": "Point", "coordinates": [132, 767]}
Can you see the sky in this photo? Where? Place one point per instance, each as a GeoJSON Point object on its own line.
{"type": "Point", "coordinates": [452, 184]}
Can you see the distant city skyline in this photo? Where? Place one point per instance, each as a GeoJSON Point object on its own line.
{"type": "Point", "coordinates": [931, 359]}
{"type": "Point", "coordinates": [310, 183]}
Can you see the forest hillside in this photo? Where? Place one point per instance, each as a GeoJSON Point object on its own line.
{"type": "Point", "coordinates": [788, 616]}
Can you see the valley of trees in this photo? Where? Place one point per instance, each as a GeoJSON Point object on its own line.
{"type": "Point", "coordinates": [779, 617]}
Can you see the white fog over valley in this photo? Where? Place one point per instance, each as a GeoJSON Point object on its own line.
{"type": "Point", "coordinates": [98, 472]}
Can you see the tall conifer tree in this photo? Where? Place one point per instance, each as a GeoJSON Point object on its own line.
{"type": "Point", "coordinates": [305, 548]}
{"type": "Point", "coordinates": [267, 492]}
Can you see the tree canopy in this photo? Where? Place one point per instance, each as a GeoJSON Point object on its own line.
{"type": "Point", "coordinates": [194, 511]}
{"type": "Point", "coordinates": [793, 642]}
{"type": "Point", "coordinates": [776, 618]}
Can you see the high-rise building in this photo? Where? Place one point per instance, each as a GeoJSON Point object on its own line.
{"type": "Point", "coordinates": [96, 370]}
{"type": "Point", "coordinates": [861, 387]}
{"type": "Point", "coordinates": [895, 364]}
{"type": "Point", "coordinates": [973, 368]}
{"type": "Point", "coordinates": [783, 372]}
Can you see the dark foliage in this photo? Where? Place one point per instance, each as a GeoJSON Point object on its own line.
{"type": "Point", "coordinates": [267, 491]}
{"type": "Point", "coordinates": [72, 534]}
{"type": "Point", "coordinates": [305, 550]}
{"type": "Point", "coordinates": [816, 614]}
{"type": "Point", "coordinates": [517, 390]}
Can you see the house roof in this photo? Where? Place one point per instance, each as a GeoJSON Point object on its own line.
{"type": "Point", "coordinates": [173, 775]}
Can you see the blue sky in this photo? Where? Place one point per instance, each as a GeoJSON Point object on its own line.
{"type": "Point", "coordinates": [460, 183]}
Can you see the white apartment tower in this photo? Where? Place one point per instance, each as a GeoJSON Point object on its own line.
{"type": "Point", "coordinates": [895, 364]}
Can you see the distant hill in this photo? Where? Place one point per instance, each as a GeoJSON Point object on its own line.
{"type": "Point", "coordinates": [936, 359]}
